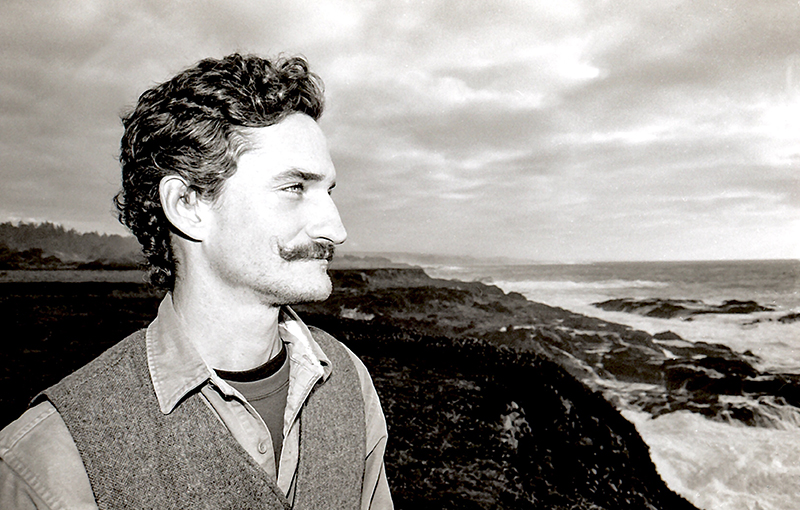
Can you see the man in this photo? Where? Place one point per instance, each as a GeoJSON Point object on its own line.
{"type": "Point", "coordinates": [227, 400]}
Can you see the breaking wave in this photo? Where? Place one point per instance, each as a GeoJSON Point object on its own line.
{"type": "Point", "coordinates": [723, 466]}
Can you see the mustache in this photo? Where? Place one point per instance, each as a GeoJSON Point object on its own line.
{"type": "Point", "coordinates": [311, 251]}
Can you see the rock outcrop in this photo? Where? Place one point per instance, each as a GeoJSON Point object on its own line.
{"type": "Point", "coordinates": [679, 308]}
{"type": "Point", "coordinates": [669, 372]}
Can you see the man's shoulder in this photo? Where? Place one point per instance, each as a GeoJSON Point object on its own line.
{"type": "Point", "coordinates": [375, 420]}
{"type": "Point", "coordinates": [40, 455]}
{"type": "Point", "coordinates": [35, 422]}
{"type": "Point", "coordinates": [321, 336]}
{"type": "Point", "coordinates": [42, 421]}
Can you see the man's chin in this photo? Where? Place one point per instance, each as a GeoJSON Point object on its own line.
{"type": "Point", "coordinates": [313, 291]}
{"type": "Point", "coordinates": [305, 298]}
{"type": "Point", "coordinates": [319, 292]}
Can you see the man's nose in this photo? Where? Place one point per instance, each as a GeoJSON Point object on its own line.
{"type": "Point", "coordinates": [327, 224]}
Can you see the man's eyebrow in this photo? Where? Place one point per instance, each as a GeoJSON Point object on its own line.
{"type": "Point", "coordinates": [299, 174]}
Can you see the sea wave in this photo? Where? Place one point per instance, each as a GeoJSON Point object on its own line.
{"type": "Point", "coordinates": [768, 411]}
{"type": "Point", "coordinates": [523, 286]}
{"type": "Point", "coordinates": [775, 344]}
{"type": "Point", "coordinates": [714, 464]}
{"type": "Point", "coordinates": [723, 466]}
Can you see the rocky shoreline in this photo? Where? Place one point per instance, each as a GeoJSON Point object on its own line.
{"type": "Point", "coordinates": [478, 409]}
{"type": "Point", "coordinates": [492, 400]}
{"type": "Point", "coordinates": [473, 423]}
{"type": "Point", "coordinates": [658, 373]}
{"type": "Point", "coordinates": [687, 309]}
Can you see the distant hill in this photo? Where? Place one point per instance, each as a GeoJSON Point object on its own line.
{"type": "Point", "coordinates": [51, 246]}
{"type": "Point", "coordinates": [348, 261]}
{"type": "Point", "coordinates": [400, 259]}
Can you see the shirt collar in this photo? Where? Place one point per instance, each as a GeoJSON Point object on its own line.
{"type": "Point", "coordinates": [303, 348]}
{"type": "Point", "coordinates": [176, 368]}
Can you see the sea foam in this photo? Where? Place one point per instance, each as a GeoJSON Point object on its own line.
{"type": "Point", "coordinates": [715, 465]}
{"type": "Point", "coordinates": [723, 466]}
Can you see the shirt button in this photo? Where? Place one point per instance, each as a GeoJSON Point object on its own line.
{"type": "Point", "coordinates": [262, 447]}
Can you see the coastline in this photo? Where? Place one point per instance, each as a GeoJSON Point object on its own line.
{"type": "Point", "coordinates": [412, 314]}
{"type": "Point", "coordinates": [473, 424]}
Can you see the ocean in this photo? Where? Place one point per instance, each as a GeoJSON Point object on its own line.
{"type": "Point", "coordinates": [715, 465]}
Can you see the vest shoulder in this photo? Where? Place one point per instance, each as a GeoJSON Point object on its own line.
{"type": "Point", "coordinates": [322, 337]}
{"type": "Point", "coordinates": [102, 363]}
{"type": "Point", "coordinates": [330, 345]}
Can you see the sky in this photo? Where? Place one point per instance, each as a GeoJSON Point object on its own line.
{"type": "Point", "coordinates": [567, 131]}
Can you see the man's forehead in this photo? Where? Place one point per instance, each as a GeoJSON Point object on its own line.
{"type": "Point", "coordinates": [296, 130]}
{"type": "Point", "coordinates": [294, 148]}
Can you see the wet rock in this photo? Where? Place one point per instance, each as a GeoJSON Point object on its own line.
{"type": "Point", "coordinates": [733, 306]}
{"type": "Point", "coordinates": [634, 365]}
{"type": "Point", "coordinates": [679, 308]}
{"type": "Point", "coordinates": [789, 318]}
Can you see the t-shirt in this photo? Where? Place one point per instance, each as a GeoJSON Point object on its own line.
{"type": "Point", "coordinates": [266, 388]}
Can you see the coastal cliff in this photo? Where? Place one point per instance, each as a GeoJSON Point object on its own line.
{"type": "Point", "coordinates": [483, 410]}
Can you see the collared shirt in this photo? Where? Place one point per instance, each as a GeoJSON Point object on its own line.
{"type": "Point", "coordinates": [40, 467]}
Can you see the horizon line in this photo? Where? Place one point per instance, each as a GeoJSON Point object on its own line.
{"type": "Point", "coordinates": [485, 258]}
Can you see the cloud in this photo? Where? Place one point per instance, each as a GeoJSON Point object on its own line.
{"type": "Point", "coordinates": [551, 130]}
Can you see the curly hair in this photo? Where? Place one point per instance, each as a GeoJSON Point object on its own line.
{"type": "Point", "coordinates": [193, 126]}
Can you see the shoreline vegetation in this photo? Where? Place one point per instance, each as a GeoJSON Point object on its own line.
{"type": "Point", "coordinates": [48, 246]}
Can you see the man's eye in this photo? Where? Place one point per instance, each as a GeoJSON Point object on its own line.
{"type": "Point", "coordinates": [295, 188]}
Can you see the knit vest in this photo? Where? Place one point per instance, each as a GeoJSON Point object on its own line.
{"type": "Point", "coordinates": [138, 457]}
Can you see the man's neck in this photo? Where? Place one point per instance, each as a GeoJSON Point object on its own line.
{"type": "Point", "coordinates": [230, 332]}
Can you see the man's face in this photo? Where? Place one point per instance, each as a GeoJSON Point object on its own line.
{"type": "Point", "coordinates": [274, 224]}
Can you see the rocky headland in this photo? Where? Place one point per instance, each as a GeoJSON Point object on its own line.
{"type": "Point", "coordinates": [482, 406]}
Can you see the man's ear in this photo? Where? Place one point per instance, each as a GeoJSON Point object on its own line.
{"type": "Point", "coordinates": [183, 207]}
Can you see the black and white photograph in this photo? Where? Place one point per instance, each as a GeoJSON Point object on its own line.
{"type": "Point", "coordinates": [414, 254]}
